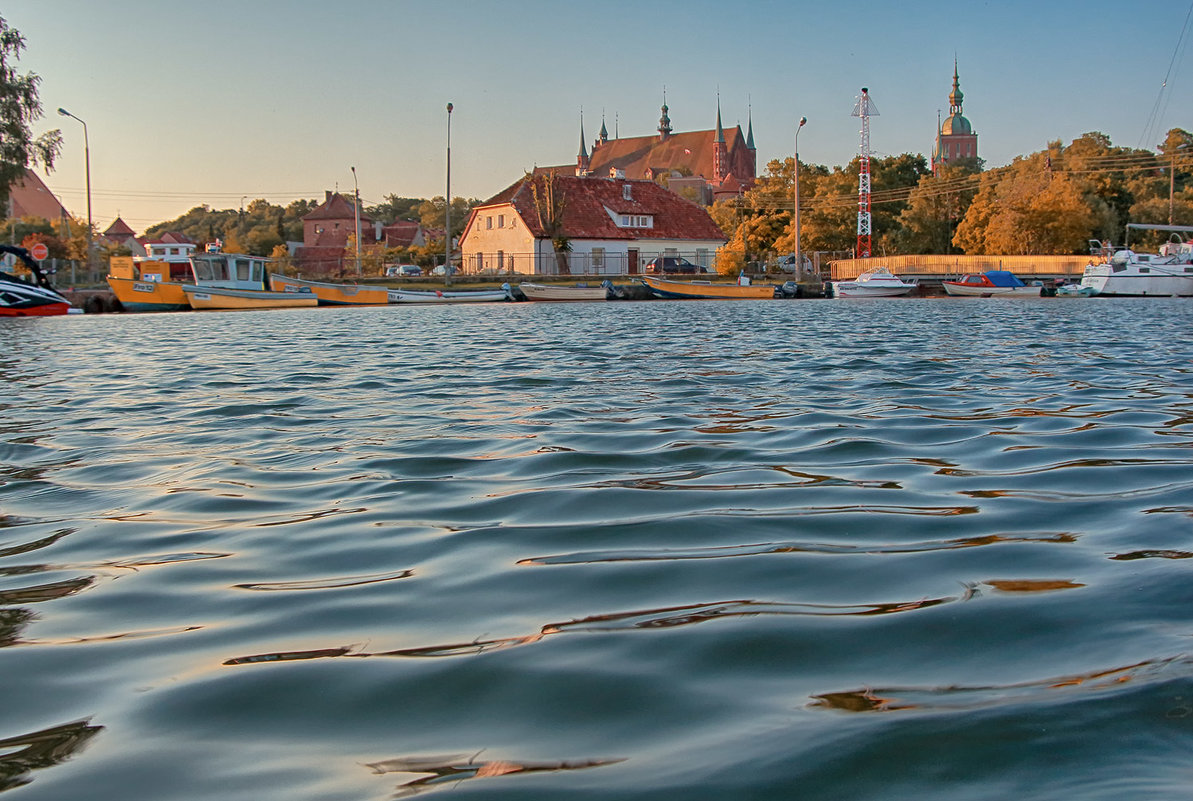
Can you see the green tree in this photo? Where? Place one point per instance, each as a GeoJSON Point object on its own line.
{"type": "Point", "coordinates": [20, 107]}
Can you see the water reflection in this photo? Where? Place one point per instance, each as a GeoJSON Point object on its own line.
{"type": "Point", "coordinates": [894, 699]}
{"type": "Point", "coordinates": [666, 617]}
{"type": "Point", "coordinates": [445, 770]}
{"type": "Point", "coordinates": [26, 753]}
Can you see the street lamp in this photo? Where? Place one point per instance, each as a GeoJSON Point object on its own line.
{"type": "Point", "coordinates": [799, 261]}
{"type": "Point", "coordinates": [356, 192]}
{"type": "Point", "coordinates": [447, 217]}
{"type": "Point", "coordinates": [87, 156]}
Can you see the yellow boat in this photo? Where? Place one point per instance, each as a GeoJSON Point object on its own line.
{"type": "Point", "coordinates": [211, 297]}
{"type": "Point", "coordinates": [331, 294]}
{"type": "Point", "coordinates": [237, 281]}
{"type": "Point", "coordinates": [666, 288]}
{"type": "Point", "coordinates": [145, 285]}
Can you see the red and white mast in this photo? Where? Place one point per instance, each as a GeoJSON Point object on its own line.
{"type": "Point", "coordinates": [865, 109]}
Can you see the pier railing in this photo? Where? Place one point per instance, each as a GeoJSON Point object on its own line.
{"type": "Point", "coordinates": [952, 265]}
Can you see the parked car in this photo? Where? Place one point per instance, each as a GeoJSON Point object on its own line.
{"type": "Point", "coordinates": [673, 264]}
{"type": "Point", "coordinates": [440, 271]}
{"type": "Point", "coordinates": [403, 271]}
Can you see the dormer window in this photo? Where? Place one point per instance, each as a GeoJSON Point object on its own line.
{"type": "Point", "coordinates": [626, 192]}
{"type": "Point", "coordinates": [636, 221]}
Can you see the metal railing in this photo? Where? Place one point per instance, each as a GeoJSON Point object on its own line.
{"type": "Point", "coordinates": [583, 264]}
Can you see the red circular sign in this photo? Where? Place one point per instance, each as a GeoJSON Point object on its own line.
{"type": "Point", "coordinates": [39, 251]}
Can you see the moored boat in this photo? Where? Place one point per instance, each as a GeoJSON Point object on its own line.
{"type": "Point", "coordinates": [876, 283]}
{"type": "Point", "coordinates": [331, 294]}
{"type": "Point", "coordinates": [237, 281]}
{"type": "Point", "coordinates": [991, 284]}
{"type": "Point", "coordinates": [214, 297]}
{"type": "Point", "coordinates": [1121, 272]}
{"type": "Point", "coordinates": [534, 291]}
{"type": "Point", "coordinates": [29, 298]}
{"type": "Point", "coordinates": [706, 290]}
{"type": "Point", "coordinates": [449, 296]}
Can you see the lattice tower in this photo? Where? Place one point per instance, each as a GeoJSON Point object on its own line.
{"type": "Point", "coordinates": [865, 109]}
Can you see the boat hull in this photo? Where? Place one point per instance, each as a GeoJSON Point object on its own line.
{"type": "Point", "coordinates": [960, 291]}
{"type": "Point", "coordinates": [141, 296]}
{"type": "Point", "coordinates": [20, 298]}
{"type": "Point", "coordinates": [563, 293]}
{"type": "Point", "coordinates": [854, 289]}
{"type": "Point", "coordinates": [1102, 279]}
{"type": "Point", "coordinates": [692, 290]}
{"type": "Point", "coordinates": [411, 296]}
{"type": "Point", "coordinates": [212, 298]}
{"type": "Point", "coordinates": [330, 294]}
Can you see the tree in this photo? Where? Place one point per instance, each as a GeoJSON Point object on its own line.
{"type": "Point", "coordinates": [19, 109]}
{"type": "Point", "coordinates": [550, 206]}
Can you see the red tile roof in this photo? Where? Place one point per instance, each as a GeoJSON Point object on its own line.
{"type": "Point", "coordinates": [119, 228]}
{"type": "Point", "coordinates": [586, 201]}
{"type": "Point", "coordinates": [337, 207]}
{"type": "Point", "coordinates": [32, 198]}
{"type": "Point", "coordinates": [692, 150]}
{"type": "Point", "coordinates": [401, 234]}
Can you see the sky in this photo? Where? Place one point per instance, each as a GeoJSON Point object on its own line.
{"type": "Point", "coordinates": [223, 101]}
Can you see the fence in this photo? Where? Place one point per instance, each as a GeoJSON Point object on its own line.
{"type": "Point", "coordinates": [63, 273]}
{"type": "Point", "coordinates": [594, 263]}
{"type": "Point", "coordinates": [946, 266]}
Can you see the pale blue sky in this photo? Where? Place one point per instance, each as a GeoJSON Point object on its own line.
{"type": "Point", "coordinates": [206, 102]}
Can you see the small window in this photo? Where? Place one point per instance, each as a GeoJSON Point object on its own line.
{"type": "Point", "coordinates": [488, 222]}
{"type": "Point", "coordinates": [625, 221]}
{"type": "Point", "coordinates": [500, 220]}
{"type": "Point", "coordinates": [626, 192]}
{"type": "Point", "coordinates": [242, 269]}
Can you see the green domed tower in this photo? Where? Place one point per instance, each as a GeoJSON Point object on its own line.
{"type": "Point", "coordinates": [955, 138]}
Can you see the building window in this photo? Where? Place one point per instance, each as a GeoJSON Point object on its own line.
{"type": "Point", "coordinates": [626, 192]}
{"type": "Point", "coordinates": [488, 222]}
{"type": "Point", "coordinates": [625, 221]}
{"type": "Point", "coordinates": [500, 257]}
{"type": "Point", "coordinates": [500, 220]}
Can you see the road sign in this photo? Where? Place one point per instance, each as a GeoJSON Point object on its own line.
{"type": "Point", "coordinates": [39, 251]}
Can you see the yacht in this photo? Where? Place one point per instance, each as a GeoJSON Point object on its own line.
{"type": "Point", "coordinates": [1124, 273]}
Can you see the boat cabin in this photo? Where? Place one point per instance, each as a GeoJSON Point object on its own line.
{"type": "Point", "coordinates": [230, 270]}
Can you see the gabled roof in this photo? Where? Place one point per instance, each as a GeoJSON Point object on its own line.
{"type": "Point", "coordinates": [337, 207]}
{"type": "Point", "coordinates": [402, 233]}
{"type": "Point", "coordinates": [119, 228]}
{"type": "Point", "coordinates": [636, 154]}
{"type": "Point", "coordinates": [588, 203]}
{"type": "Point", "coordinates": [32, 198]}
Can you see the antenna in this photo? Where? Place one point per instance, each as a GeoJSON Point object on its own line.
{"type": "Point", "coordinates": [864, 108]}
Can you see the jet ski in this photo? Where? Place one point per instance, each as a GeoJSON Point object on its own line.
{"type": "Point", "coordinates": [33, 297]}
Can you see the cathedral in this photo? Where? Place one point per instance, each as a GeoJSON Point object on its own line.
{"type": "Point", "coordinates": [955, 138]}
{"type": "Point", "coordinates": [712, 164]}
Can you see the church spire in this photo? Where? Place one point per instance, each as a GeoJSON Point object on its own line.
{"type": "Point", "coordinates": [604, 131]}
{"type": "Point", "coordinates": [955, 96]}
{"type": "Point", "coordinates": [582, 156]}
{"type": "Point", "coordinates": [750, 128]}
{"type": "Point", "coordinates": [720, 153]}
{"type": "Point", "coordinates": [664, 121]}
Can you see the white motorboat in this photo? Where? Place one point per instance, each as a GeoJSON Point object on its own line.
{"type": "Point", "coordinates": [1121, 272]}
{"type": "Point", "coordinates": [877, 283]}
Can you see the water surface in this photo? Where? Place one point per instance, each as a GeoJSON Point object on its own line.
{"type": "Point", "coordinates": [861, 549]}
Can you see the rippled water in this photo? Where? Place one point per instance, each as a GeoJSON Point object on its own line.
{"type": "Point", "coordinates": [920, 549]}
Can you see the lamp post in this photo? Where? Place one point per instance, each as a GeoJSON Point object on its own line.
{"type": "Point", "coordinates": [447, 216]}
{"type": "Point", "coordinates": [87, 157]}
{"type": "Point", "coordinates": [356, 195]}
{"type": "Point", "coordinates": [799, 261]}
